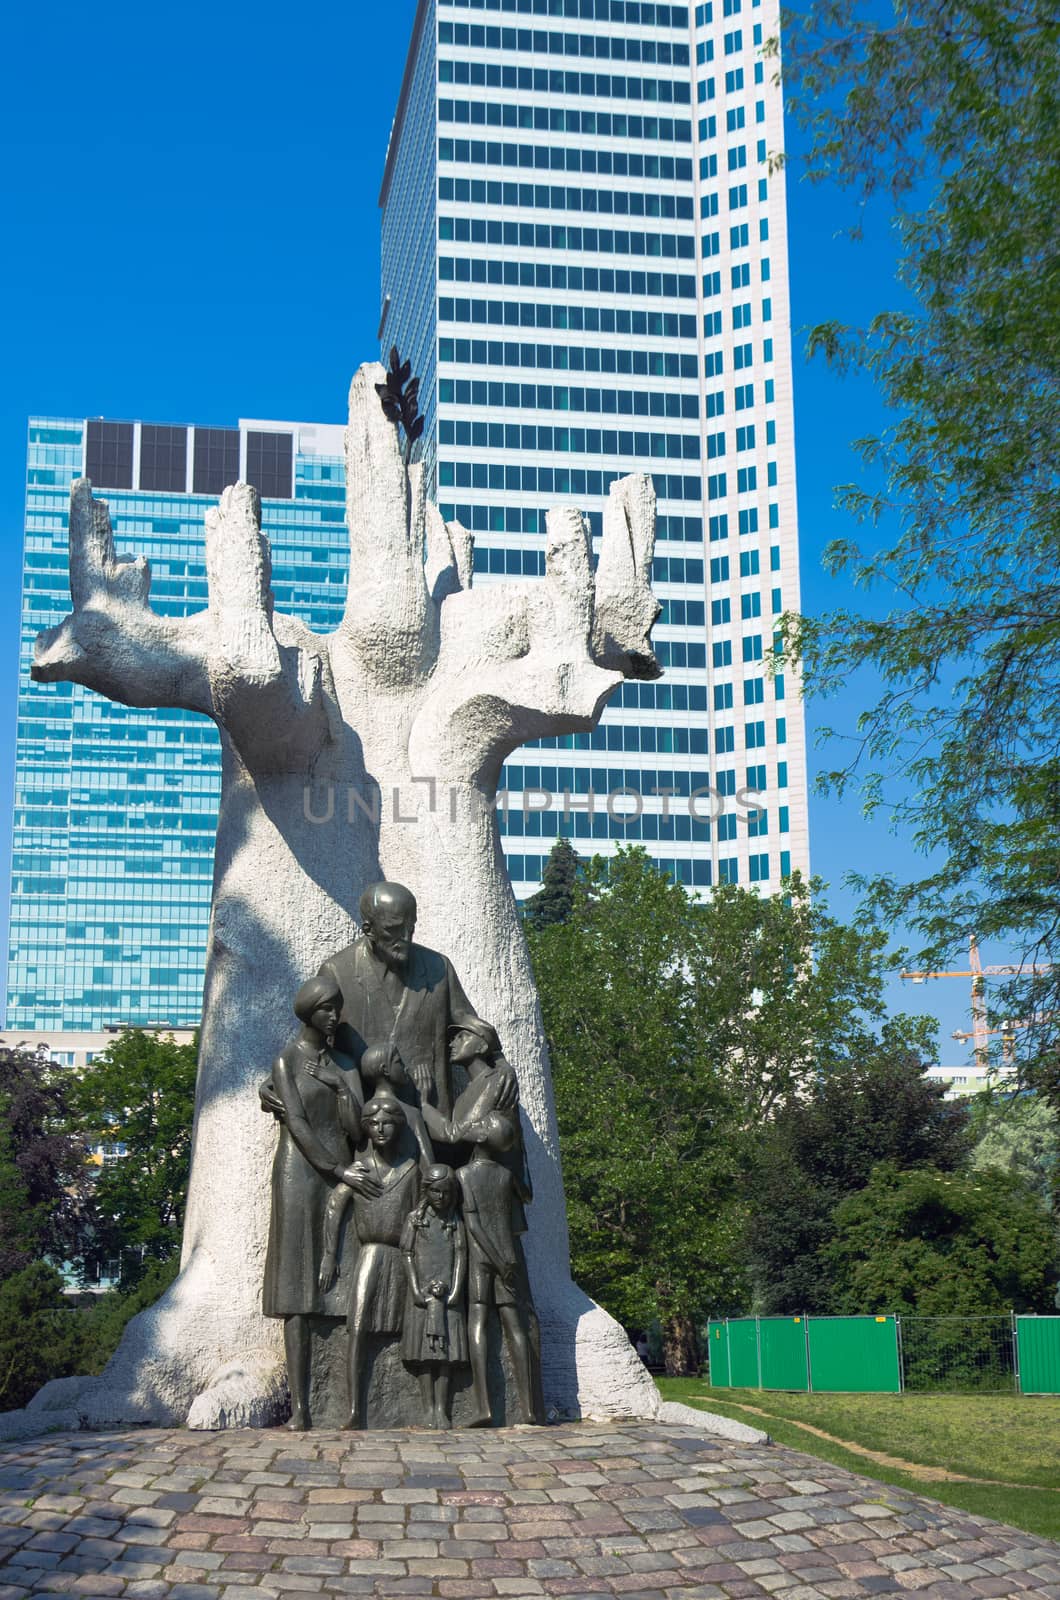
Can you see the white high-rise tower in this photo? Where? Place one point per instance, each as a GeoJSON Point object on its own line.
{"type": "Point", "coordinates": [584, 255]}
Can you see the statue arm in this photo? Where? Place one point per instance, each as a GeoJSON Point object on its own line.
{"type": "Point", "coordinates": [417, 1122]}
{"type": "Point", "coordinates": [350, 1114]}
{"type": "Point", "coordinates": [408, 1251]}
{"type": "Point", "coordinates": [334, 1212]}
{"type": "Point", "coordinates": [461, 1011]}
{"type": "Point", "coordinates": [473, 1221]}
{"type": "Point", "coordinates": [439, 1127]}
{"type": "Point", "coordinates": [459, 1267]}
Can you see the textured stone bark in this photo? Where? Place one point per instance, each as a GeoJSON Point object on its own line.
{"type": "Point", "coordinates": [373, 752]}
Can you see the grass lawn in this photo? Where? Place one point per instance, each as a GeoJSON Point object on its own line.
{"type": "Point", "coordinates": [1011, 1438]}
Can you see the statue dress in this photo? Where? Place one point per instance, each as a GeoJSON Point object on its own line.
{"type": "Point", "coordinates": [311, 1145]}
{"type": "Point", "coordinates": [376, 1292]}
{"type": "Point", "coordinates": [435, 1331]}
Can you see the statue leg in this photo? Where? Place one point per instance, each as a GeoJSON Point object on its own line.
{"type": "Point", "coordinates": [355, 1366]}
{"type": "Point", "coordinates": [362, 1294]}
{"type": "Point", "coordinates": [519, 1350]}
{"type": "Point", "coordinates": [441, 1398]}
{"type": "Point", "coordinates": [427, 1395]}
{"type": "Point", "coordinates": [296, 1345]}
{"type": "Point", "coordinates": [476, 1338]}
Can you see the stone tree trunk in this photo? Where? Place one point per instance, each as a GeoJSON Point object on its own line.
{"type": "Point", "coordinates": [373, 752]}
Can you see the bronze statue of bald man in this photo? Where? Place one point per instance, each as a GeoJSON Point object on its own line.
{"type": "Point", "coordinates": [399, 993]}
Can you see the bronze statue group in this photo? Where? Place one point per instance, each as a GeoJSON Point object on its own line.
{"type": "Point", "coordinates": [366, 1221]}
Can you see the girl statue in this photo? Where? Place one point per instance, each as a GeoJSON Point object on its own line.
{"type": "Point", "coordinates": [377, 1288]}
{"type": "Point", "coordinates": [434, 1339]}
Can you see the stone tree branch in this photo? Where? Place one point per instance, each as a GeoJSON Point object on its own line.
{"type": "Point", "coordinates": [233, 662]}
{"type": "Point", "coordinates": [504, 663]}
{"type": "Point", "coordinates": [112, 641]}
{"type": "Point", "coordinates": [389, 618]}
{"type": "Point", "coordinates": [626, 608]}
{"type": "Point", "coordinates": [514, 660]}
{"type": "Point", "coordinates": [518, 661]}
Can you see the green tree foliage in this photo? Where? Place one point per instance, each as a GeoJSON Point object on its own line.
{"type": "Point", "coordinates": [675, 1027]}
{"type": "Point", "coordinates": [943, 1244]}
{"type": "Point", "coordinates": [39, 1333]}
{"type": "Point", "coordinates": [649, 1161]}
{"type": "Point", "coordinates": [822, 1147]}
{"type": "Point", "coordinates": [45, 1333]}
{"type": "Point", "coordinates": [952, 115]}
{"type": "Point", "coordinates": [42, 1166]}
{"type": "Point", "coordinates": [554, 901]}
{"type": "Point", "coordinates": [140, 1092]}
{"type": "Point", "coordinates": [1019, 1134]}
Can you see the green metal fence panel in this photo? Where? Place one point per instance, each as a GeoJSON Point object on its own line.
{"type": "Point", "coordinates": [743, 1353]}
{"type": "Point", "coordinates": [718, 1354]}
{"type": "Point", "coordinates": [1039, 1354]}
{"type": "Point", "coordinates": [783, 1343]}
{"type": "Point", "coordinates": [851, 1355]}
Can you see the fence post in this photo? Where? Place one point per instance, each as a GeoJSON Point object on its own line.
{"type": "Point", "coordinates": [728, 1350]}
{"type": "Point", "coordinates": [758, 1347]}
{"type": "Point", "coordinates": [809, 1369]}
{"type": "Point", "coordinates": [1015, 1350]}
{"type": "Point", "coordinates": [901, 1353]}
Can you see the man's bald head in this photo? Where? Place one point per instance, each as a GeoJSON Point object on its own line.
{"type": "Point", "coordinates": [388, 917]}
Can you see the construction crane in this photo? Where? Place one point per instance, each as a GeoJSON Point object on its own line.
{"type": "Point", "coordinates": [980, 1033]}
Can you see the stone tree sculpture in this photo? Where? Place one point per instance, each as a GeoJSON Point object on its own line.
{"type": "Point", "coordinates": [372, 752]}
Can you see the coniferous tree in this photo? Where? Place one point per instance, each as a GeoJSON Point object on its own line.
{"type": "Point", "coordinates": [554, 900]}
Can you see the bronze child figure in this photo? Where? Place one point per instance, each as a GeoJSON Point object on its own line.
{"type": "Point", "coordinates": [434, 1338]}
{"type": "Point", "coordinates": [378, 1287]}
{"type": "Point", "coordinates": [492, 1206]}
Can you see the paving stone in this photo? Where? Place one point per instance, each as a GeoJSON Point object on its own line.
{"type": "Point", "coordinates": [587, 1512]}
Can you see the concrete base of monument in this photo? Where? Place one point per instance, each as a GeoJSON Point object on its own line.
{"type": "Point", "coordinates": [190, 1365]}
{"type": "Point", "coordinates": [390, 1391]}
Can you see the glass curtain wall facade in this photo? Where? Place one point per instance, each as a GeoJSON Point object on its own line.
{"type": "Point", "coordinates": [584, 252]}
{"type": "Point", "coordinates": [115, 809]}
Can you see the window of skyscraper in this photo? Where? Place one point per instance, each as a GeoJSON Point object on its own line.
{"type": "Point", "coordinates": [109, 453]}
{"type": "Point", "coordinates": [163, 458]}
{"type": "Point", "coordinates": [216, 459]}
{"type": "Point", "coordinates": [269, 464]}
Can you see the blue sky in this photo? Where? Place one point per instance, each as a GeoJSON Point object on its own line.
{"type": "Point", "coordinates": [192, 235]}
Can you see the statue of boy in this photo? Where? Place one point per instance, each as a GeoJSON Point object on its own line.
{"type": "Point", "coordinates": [492, 1206]}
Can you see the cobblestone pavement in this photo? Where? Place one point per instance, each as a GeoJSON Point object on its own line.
{"type": "Point", "coordinates": [640, 1510]}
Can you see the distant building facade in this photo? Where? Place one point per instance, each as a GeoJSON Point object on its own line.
{"type": "Point", "coordinates": [115, 809]}
{"type": "Point", "coordinates": [584, 255]}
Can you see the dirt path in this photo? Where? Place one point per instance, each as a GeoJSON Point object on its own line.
{"type": "Point", "coordinates": [915, 1469]}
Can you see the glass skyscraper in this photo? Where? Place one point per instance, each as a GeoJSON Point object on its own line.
{"type": "Point", "coordinates": [584, 255]}
{"type": "Point", "coordinates": [115, 809]}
